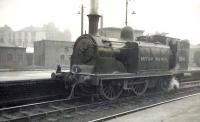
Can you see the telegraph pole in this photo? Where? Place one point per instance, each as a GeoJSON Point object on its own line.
{"type": "Point", "coordinates": [126, 18]}
{"type": "Point", "coordinates": [126, 21]}
{"type": "Point", "coordinates": [82, 17]}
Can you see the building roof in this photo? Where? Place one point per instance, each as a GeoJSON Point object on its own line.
{"type": "Point", "coordinates": [31, 28]}
{"type": "Point", "coordinates": [6, 45]}
{"type": "Point", "coordinates": [70, 43]}
{"type": "Point", "coordinates": [117, 28]}
{"type": "Point", "coordinates": [5, 28]}
{"type": "Point", "coordinates": [44, 40]}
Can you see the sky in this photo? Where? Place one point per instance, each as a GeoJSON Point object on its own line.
{"type": "Point", "coordinates": [179, 18]}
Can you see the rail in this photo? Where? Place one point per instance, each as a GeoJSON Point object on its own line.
{"type": "Point", "coordinates": [103, 119]}
{"type": "Point", "coordinates": [65, 108]}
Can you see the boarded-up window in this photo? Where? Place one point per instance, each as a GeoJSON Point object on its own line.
{"type": "Point", "coordinates": [9, 57]}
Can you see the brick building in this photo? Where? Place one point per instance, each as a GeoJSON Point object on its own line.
{"type": "Point", "coordinates": [28, 35]}
{"type": "Point", "coordinates": [49, 53]}
{"type": "Point", "coordinates": [12, 56]}
{"type": "Point", "coordinates": [6, 35]}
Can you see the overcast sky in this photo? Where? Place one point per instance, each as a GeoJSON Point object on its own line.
{"type": "Point", "coordinates": [179, 18]}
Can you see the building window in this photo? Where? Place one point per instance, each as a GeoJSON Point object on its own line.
{"type": "Point", "coordinates": [9, 57]}
{"type": "Point", "coordinates": [66, 49]}
{"type": "Point", "coordinates": [20, 58]}
{"type": "Point", "coordinates": [62, 59]}
{"type": "Point", "coordinates": [20, 42]}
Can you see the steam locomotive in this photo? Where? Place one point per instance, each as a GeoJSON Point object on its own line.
{"type": "Point", "coordinates": [110, 66]}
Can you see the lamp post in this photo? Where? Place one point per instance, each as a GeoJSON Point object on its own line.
{"type": "Point", "coordinates": [82, 13]}
{"type": "Point", "coordinates": [126, 17]}
{"type": "Point", "coordinates": [82, 18]}
{"type": "Point", "coordinates": [133, 12]}
{"type": "Point", "coordinates": [126, 21]}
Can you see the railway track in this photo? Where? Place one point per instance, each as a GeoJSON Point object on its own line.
{"type": "Point", "coordinates": [73, 110]}
{"type": "Point", "coordinates": [103, 119]}
{"type": "Point", "coordinates": [21, 92]}
{"type": "Point", "coordinates": [23, 101]}
{"type": "Point", "coordinates": [39, 110]}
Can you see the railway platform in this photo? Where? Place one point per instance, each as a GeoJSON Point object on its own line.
{"type": "Point", "coordinates": [24, 75]}
{"type": "Point", "coordinates": [17, 75]}
{"type": "Point", "coordinates": [184, 110]}
{"type": "Point", "coordinates": [23, 87]}
{"type": "Point", "coordinates": [12, 75]}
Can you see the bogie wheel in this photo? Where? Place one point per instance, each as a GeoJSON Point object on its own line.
{"type": "Point", "coordinates": [140, 87]}
{"type": "Point", "coordinates": [111, 89]}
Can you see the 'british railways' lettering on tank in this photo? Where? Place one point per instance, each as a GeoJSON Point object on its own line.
{"type": "Point", "coordinates": [148, 59]}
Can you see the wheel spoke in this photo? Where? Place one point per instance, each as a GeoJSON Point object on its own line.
{"type": "Point", "coordinates": [111, 89]}
{"type": "Point", "coordinates": [139, 88]}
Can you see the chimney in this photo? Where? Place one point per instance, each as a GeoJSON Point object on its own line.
{"type": "Point", "coordinates": [93, 17]}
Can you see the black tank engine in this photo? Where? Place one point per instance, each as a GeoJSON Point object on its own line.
{"type": "Point", "coordinates": [110, 66]}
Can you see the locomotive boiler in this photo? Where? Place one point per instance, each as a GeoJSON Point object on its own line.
{"type": "Point", "coordinates": [110, 66]}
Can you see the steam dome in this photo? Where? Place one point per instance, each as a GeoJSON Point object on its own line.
{"type": "Point", "coordinates": [127, 33]}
